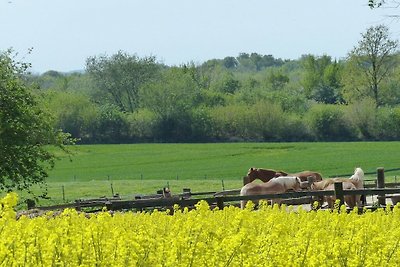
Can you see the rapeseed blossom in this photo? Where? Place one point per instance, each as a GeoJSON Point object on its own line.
{"type": "Point", "coordinates": [269, 236]}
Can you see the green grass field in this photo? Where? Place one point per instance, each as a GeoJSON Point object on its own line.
{"type": "Point", "coordinates": [97, 170]}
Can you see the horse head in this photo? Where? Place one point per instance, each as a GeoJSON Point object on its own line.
{"type": "Point", "coordinates": [252, 174]}
{"type": "Point", "coordinates": [263, 174]}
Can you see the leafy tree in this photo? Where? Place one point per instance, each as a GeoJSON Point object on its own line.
{"type": "Point", "coordinates": [321, 79]}
{"type": "Point", "coordinates": [25, 132]}
{"type": "Point", "coordinates": [373, 58]}
{"type": "Point", "coordinates": [73, 113]}
{"type": "Point", "coordinates": [171, 99]}
{"type": "Point", "coordinates": [230, 62]}
{"type": "Point", "coordinates": [227, 83]}
{"type": "Point", "coordinates": [112, 125]}
{"type": "Point", "coordinates": [375, 3]}
{"type": "Point", "coordinates": [120, 76]}
{"type": "Point", "coordinates": [277, 79]}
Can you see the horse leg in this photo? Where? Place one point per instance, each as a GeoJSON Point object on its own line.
{"type": "Point", "coordinates": [350, 201]}
{"type": "Point", "coordinates": [330, 201]}
{"type": "Point", "coordinates": [243, 204]}
{"type": "Point", "coordinates": [276, 201]}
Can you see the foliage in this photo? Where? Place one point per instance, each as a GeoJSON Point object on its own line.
{"type": "Point", "coordinates": [120, 76]}
{"type": "Point", "coordinates": [373, 56]}
{"type": "Point", "coordinates": [362, 115]}
{"type": "Point", "coordinates": [25, 131]}
{"type": "Point", "coordinates": [112, 125]}
{"type": "Point", "coordinates": [388, 123]}
{"type": "Point", "coordinates": [321, 79]}
{"type": "Point", "coordinates": [171, 100]}
{"type": "Point", "coordinates": [73, 113]}
{"type": "Point", "coordinates": [271, 236]}
{"type": "Point", "coordinates": [215, 100]}
{"type": "Point", "coordinates": [329, 123]}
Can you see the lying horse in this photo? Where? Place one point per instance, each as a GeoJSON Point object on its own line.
{"type": "Point", "coordinates": [356, 181]}
{"type": "Point", "coordinates": [274, 186]}
{"type": "Point", "coordinates": [267, 174]}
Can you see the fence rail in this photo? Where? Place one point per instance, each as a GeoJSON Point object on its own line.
{"type": "Point", "coordinates": [189, 199]}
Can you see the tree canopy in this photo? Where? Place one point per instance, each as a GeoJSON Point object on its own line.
{"type": "Point", "coordinates": [25, 131]}
{"type": "Point", "coordinates": [374, 58]}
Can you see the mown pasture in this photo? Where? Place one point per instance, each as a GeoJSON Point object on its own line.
{"type": "Point", "coordinates": [130, 169]}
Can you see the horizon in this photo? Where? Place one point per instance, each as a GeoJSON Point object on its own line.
{"type": "Point", "coordinates": [64, 34]}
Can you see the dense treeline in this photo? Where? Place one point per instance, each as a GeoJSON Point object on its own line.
{"type": "Point", "coordinates": [250, 97]}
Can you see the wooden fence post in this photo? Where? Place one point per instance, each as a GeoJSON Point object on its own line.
{"type": "Point", "coordinates": [381, 184]}
{"type": "Point", "coordinates": [339, 192]}
{"type": "Point", "coordinates": [220, 203]}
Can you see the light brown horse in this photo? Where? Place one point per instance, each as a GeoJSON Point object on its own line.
{"type": "Point", "coordinates": [350, 200]}
{"type": "Point", "coordinates": [274, 186]}
{"type": "Point", "coordinates": [356, 181]}
{"type": "Point", "coordinates": [267, 174]}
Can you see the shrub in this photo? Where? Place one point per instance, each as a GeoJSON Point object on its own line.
{"type": "Point", "coordinates": [328, 123]}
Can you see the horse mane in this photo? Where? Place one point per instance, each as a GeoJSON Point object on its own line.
{"type": "Point", "coordinates": [358, 175]}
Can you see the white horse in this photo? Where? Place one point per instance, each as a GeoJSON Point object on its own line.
{"type": "Point", "coordinates": [358, 178]}
{"type": "Point", "coordinates": [274, 186]}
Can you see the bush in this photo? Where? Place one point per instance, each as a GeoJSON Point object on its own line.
{"type": "Point", "coordinates": [141, 125]}
{"type": "Point", "coordinates": [262, 121]}
{"type": "Point", "coordinates": [362, 116]}
{"type": "Point", "coordinates": [388, 124]}
{"type": "Point", "coordinates": [328, 123]}
{"type": "Point", "coordinates": [112, 125]}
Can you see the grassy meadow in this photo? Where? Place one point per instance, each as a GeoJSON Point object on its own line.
{"type": "Point", "coordinates": [100, 170]}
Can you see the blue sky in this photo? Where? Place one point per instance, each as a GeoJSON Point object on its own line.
{"type": "Point", "coordinates": [64, 33]}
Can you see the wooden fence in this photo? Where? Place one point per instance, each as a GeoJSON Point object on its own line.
{"type": "Point", "coordinates": [229, 197]}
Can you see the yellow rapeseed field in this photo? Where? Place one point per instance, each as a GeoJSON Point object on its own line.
{"type": "Point", "coordinates": [270, 236]}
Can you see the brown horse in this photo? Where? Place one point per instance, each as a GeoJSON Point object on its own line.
{"type": "Point", "coordinates": [273, 186]}
{"type": "Point", "coordinates": [263, 174]}
{"type": "Point", "coordinates": [267, 174]}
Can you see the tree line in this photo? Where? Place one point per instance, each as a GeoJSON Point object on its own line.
{"type": "Point", "coordinates": [124, 98]}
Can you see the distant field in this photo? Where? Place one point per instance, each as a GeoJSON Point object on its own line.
{"type": "Point", "coordinates": [144, 168]}
{"type": "Point", "coordinates": [220, 161]}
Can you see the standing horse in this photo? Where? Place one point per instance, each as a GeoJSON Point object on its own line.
{"type": "Point", "coordinates": [356, 181]}
{"type": "Point", "coordinates": [274, 186]}
{"type": "Point", "coordinates": [263, 174]}
{"type": "Point", "coordinates": [350, 200]}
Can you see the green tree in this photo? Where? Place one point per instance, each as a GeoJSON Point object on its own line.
{"type": "Point", "coordinates": [120, 76]}
{"type": "Point", "coordinates": [172, 99]}
{"type": "Point", "coordinates": [277, 79]}
{"type": "Point", "coordinates": [321, 79]}
{"type": "Point", "coordinates": [230, 62]}
{"type": "Point", "coordinates": [73, 113]}
{"type": "Point", "coordinates": [374, 59]}
{"type": "Point", "coordinates": [25, 132]}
